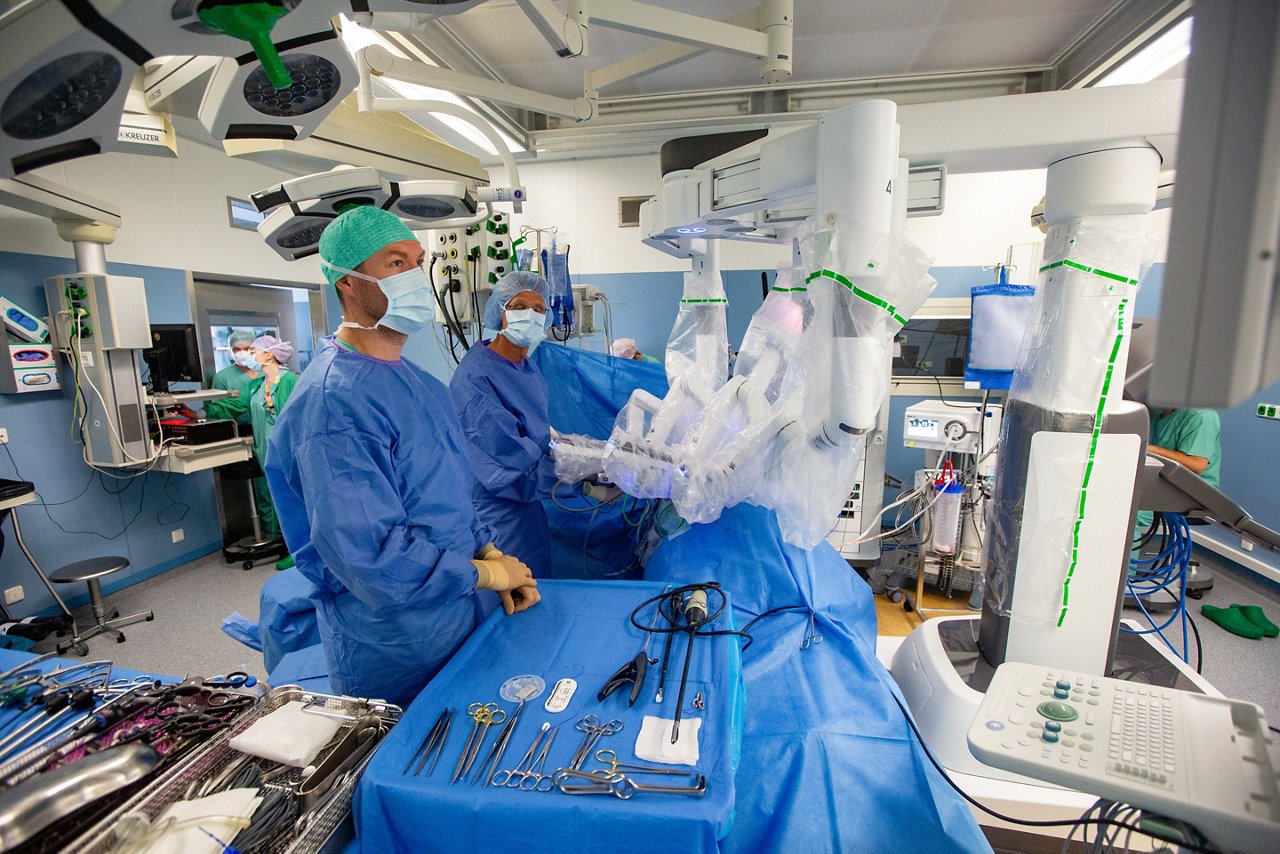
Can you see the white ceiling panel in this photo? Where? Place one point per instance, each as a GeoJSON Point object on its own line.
{"type": "Point", "coordinates": [834, 40]}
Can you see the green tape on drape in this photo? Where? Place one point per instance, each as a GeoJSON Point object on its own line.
{"type": "Point", "coordinates": [858, 292]}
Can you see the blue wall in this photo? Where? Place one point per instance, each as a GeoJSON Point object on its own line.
{"type": "Point", "coordinates": [99, 516]}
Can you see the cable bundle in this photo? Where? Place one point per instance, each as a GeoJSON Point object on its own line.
{"type": "Point", "coordinates": [1165, 572]}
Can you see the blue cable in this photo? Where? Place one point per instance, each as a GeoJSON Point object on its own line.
{"type": "Point", "coordinates": [1179, 550]}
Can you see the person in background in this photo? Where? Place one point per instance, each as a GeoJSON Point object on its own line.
{"type": "Point", "coordinates": [367, 465]}
{"type": "Point", "coordinates": [1192, 437]}
{"type": "Point", "coordinates": [239, 377]}
{"type": "Point", "coordinates": [501, 400]}
{"type": "Point", "coordinates": [625, 348]}
{"type": "Point", "coordinates": [267, 397]}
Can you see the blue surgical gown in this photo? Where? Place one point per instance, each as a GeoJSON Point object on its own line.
{"type": "Point", "coordinates": [368, 468]}
{"type": "Point", "coordinates": [503, 409]}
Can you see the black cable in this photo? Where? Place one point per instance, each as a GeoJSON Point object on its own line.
{"type": "Point", "coordinates": [941, 395]}
{"type": "Point", "coordinates": [1079, 822]}
{"type": "Point", "coordinates": [431, 277]}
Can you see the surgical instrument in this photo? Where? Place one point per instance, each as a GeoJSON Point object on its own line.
{"type": "Point", "coordinates": [520, 770]}
{"type": "Point", "coordinates": [609, 758]}
{"type": "Point", "coordinates": [592, 729]}
{"type": "Point", "coordinates": [672, 603]}
{"type": "Point", "coordinates": [695, 614]}
{"type": "Point", "coordinates": [811, 636]}
{"type": "Point", "coordinates": [633, 671]}
{"type": "Point", "coordinates": [500, 744]}
{"type": "Point", "coordinates": [621, 786]}
{"type": "Point", "coordinates": [433, 743]}
{"type": "Point", "coordinates": [483, 715]}
{"type": "Point", "coordinates": [535, 773]}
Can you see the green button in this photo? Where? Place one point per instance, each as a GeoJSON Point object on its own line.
{"type": "Point", "coordinates": [1069, 731]}
{"type": "Point", "coordinates": [1057, 711]}
{"type": "Point", "coordinates": [1088, 736]}
{"type": "Point", "coordinates": [1087, 748]}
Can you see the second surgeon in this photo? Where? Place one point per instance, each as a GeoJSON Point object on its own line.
{"type": "Point", "coordinates": [501, 399]}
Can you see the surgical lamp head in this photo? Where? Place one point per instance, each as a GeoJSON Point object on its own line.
{"type": "Point", "coordinates": [355, 236]}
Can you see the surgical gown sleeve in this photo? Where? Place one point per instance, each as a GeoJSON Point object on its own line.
{"type": "Point", "coordinates": [360, 528]}
{"type": "Point", "coordinates": [507, 463]}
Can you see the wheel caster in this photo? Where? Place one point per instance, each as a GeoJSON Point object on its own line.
{"type": "Point", "coordinates": [247, 565]}
{"type": "Point", "coordinates": [119, 638]}
{"type": "Point", "coordinates": [82, 649]}
{"type": "Point", "coordinates": [894, 596]}
{"type": "Point", "coordinates": [1195, 594]}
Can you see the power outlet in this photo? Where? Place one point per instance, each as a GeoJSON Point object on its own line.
{"type": "Point", "coordinates": [14, 595]}
{"type": "Point", "coordinates": [178, 535]}
{"type": "Point", "coordinates": [1269, 410]}
{"type": "Point", "coordinates": [4, 436]}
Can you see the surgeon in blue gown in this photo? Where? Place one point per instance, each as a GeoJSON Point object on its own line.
{"type": "Point", "coordinates": [501, 400]}
{"type": "Point", "coordinates": [367, 465]}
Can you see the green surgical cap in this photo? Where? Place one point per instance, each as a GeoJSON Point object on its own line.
{"type": "Point", "coordinates": [239, 337]}
{"type": "Point", "coordinates": [352, 238]}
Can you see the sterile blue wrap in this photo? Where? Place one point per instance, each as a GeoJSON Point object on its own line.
{"type": "Point", "coordinates": [305, 668]}
{"type": "Point", "coordinates": [286, 616]}
{"type": "Point", "coordinates": [828, 762]}
{"type": "Point", "coordinates": [579, 630]}
{"type": "Point", "coordinates": [586, 391]}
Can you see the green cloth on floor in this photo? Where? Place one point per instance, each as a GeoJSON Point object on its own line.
{"type": "Point", "coordinates": [285, 562]}
{"type": "Point", "coordinates": [1255, 615]}
{"type": "Point", "coordinates": [1233, 620]}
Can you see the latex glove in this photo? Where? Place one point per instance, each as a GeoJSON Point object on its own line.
{"type": "Point", "coordinates": [513, 581]}
{"type": "Point", "coordinates": [489, 551]}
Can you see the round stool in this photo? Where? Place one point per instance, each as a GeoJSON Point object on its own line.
{"type": "Point", "coordinates": [103, 623]}
{"type": "Point", "coordinates": [257, 547]}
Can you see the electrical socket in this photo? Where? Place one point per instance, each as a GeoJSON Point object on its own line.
{"type": "Point", "coordinates": [178, 535]}
{"type": "Point", "coordinates": [4, 436]}
{"type": "Point", "coordinates": [14, 595]}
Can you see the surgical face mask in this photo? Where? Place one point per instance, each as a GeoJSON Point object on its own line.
{"type": "Point", "coordinates": [410, 302]}
{"type": "Point", "coordinates": [244, 358]}
{"type": "Point", "coordinates": [525, 327]}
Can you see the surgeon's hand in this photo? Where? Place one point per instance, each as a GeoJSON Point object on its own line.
{"type": "Point", "coordinates": [513, 581]}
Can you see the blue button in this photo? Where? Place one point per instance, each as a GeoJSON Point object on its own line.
{"type": "Point", "coordinates": [1063, 685]}
{"type": "Point", "coordinates": [1061, 693]}
{"type": "Point", "coordinates": [995, 725]}
{"type": "Point", "coordinates": [1049, 736]}
{"type": "Point", "coordinates": [1053, 726]}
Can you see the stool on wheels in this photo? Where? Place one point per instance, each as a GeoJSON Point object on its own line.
{"type": "Point", "coordinates": [257, 547]}
{"type": "Point", "coordinates": [103, 623]}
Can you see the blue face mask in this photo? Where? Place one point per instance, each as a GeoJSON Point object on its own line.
{"type": "Point", "coordinates": [410, 302]}
{"type": "Point", "coordinates": [244, 359]}
{"type": "Point", "coordinates": [525, 327]}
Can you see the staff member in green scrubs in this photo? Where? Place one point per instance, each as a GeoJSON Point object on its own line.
{"type": "Point", "coordinates": [268, 395]}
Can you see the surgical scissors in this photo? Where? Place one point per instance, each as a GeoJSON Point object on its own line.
{"type": "Point", "coordinates": [535, 775]}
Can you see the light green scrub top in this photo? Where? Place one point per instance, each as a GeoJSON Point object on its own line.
{"type": "Point", "coordinates": [1194, 432]}
{"type": "Point", "coordinates": [231, 378]}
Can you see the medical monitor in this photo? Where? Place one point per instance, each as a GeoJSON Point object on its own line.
{"type": "Point", "coordinates": [174, 355]}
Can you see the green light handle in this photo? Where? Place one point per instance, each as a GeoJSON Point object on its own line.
{"type": "Point", "coordinates": [253, 23]}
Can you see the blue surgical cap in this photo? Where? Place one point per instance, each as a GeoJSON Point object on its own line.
{"type": "Point", "coordinates": [352, 238]}
{"type": "Point", "coordinates": [507, 287]}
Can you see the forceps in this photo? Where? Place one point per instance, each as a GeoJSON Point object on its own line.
{"type": "Point", "coordinates": [592, 730]}
{"type": "Point", "coordinates": [609, 759]}
{"type": "Point", "coordinates": [811, 635]}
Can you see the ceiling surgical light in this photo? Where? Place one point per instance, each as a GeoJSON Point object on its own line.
{"type": "Point", "coordinates": [62, 88]}
{"type": "Point", "coordinates": [241, 102]}
{"type": "Point", "coordinates": [301, 208]}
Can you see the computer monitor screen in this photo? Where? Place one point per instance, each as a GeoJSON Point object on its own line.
{"type": "Point", "coordinates": [174, 355]}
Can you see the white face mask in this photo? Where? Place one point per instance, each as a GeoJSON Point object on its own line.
{"type": "Point", "coordinates": [244, 358]}
{"type": "Point", "coordinates": [410, 301]}
{"type": "Point", "coordinates": [525, 327]}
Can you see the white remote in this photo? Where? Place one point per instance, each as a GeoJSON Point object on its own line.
{"type": "Point", "coordinates": [560, 696]}
{"type": "Point", "coordinates": [1209, 761]}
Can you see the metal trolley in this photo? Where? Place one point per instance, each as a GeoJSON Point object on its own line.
{"type": "Point", "coordinates": [326, 827]}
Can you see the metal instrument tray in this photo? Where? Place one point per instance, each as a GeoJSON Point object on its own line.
{"type": "Point", "coordinates": [326, 828]}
